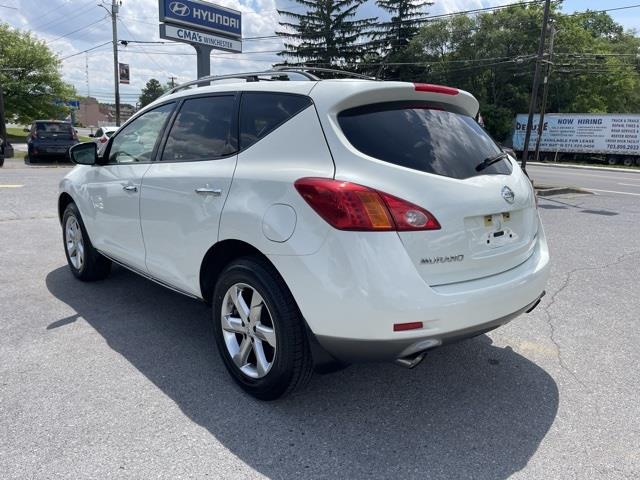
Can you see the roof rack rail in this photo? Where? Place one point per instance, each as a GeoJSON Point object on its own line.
{"type": "Point", "coordinates": [311, 68]}
{"type": "Point", "coordinates": [277, 73]}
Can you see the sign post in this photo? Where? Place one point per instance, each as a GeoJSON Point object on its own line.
{"type": "Point", "coordinates": [202, 25]}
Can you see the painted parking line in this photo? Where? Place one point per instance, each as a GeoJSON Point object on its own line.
{"type": "Point", "coordinates": [614, 191]}
{"type": "Point", "coordinates": [11, 186]}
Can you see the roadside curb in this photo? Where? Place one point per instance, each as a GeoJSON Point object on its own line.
{"type": "Point", "coordinates": [584, 167]}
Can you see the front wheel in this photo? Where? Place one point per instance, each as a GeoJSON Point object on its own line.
{"type": "Point", "coordinates": [259, 330]}
{"type": "Point", "coordinates": [85, 262]}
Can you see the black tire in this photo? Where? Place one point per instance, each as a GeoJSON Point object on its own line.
{"type": "Point", "coordinates": [292, 364]}
{"type": "Point", "coordinates": [94, 265]}
{"type": "Point", "coordinates": [628, 161]}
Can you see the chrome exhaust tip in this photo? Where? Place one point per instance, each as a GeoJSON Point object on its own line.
{"type": "Point", "coordinates": [412, 360]}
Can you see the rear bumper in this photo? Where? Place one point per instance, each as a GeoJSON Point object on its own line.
{"type": "Point", "coordinates": [346, 350]}
{"type": "Point", "coordinates": [358, 285]}
{"type": "Point", "coordinates": [50, 150]}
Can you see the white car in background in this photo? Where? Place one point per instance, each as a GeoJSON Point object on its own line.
{"type": "Point", "coordinates": [102, 136]}
{"type": "Point", "coordinates": [326, 221]}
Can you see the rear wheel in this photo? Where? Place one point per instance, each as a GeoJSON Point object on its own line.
{"type": "Point", "coordinates": [85, 262]}
{"type": "Point", "coordinates": [612, 160]}
{"type": "Point", "coordinates": [628, 161]}
{"type": "Point", "coordinates": [259, 330]}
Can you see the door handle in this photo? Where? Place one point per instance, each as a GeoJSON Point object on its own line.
{"type": "Point", "coordinates": [130, 188]}
{"type": "Point", "coordinates": [214, 192]}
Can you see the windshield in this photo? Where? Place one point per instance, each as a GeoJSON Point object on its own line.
{"type": "Point", "coordinates": [422, 137]}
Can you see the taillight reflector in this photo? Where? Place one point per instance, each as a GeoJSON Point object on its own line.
{"type": "Point", "coordinates": [401, 327]}
{"type": "Point", "coordinates": [428, 87]}
{"type": "Point", "coordinates": [349, 206]}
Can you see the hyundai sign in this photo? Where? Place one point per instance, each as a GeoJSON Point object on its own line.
{"type": "Point", "coordinates": [202, 16]}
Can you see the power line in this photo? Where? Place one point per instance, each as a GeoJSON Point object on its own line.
{"type": "Point", "coordinates": [75, 31]}
{"type": "Point", "coordinates": [81, 11]}
{"type": "Point", "coordinates": [587, 12]}
{"type": "Point", "coordinates": [86, 51]}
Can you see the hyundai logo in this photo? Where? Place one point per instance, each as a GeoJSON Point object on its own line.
{"type": "Point", "coordinates": [179, 8]}
{"type": "Point", "coordinates": [508, 194]}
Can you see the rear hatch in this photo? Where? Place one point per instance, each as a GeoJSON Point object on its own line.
{"type": "Point", "coordinates": [431, 152]}
{"type": "Point", "coordinates": [55, 133]}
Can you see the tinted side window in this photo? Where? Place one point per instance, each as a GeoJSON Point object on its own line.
{"type": "Point", "coordinates": [203, 130]}
{"type": "Point", "coordinates": [136, 141]}
{"type": "Point", "coordinates": [261, 113]}
{"type": "Point", "coordinates": [422, 137]}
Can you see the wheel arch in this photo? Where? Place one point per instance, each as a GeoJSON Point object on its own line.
{"type": "Point", "coordinates": [218, 257]}
{"type": "Point", "coordinates": [63, 200]}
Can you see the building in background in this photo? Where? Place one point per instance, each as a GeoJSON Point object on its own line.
{"type": "Point", "coordinates": [91, 113]}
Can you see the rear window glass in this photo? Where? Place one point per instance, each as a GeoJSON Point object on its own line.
{"type": "Point", "coordinates": [109, 133]}
{"type": "Point", "coordinates": [261, 113]}
{"type": "Point", "coordinates": [422, 137]}
{"type": "Point", "coordinates": [53, 128]}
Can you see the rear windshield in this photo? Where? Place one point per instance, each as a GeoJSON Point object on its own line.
{"type": "Point", "coordinates": [50, 129]}
{"type": "Point", "coordinates": [109, 133]}
{"type": "Point", "coordinates": [423, 137]}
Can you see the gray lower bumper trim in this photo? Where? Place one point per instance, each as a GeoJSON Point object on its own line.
{"type": "Point", "coordinates": [353, 351]}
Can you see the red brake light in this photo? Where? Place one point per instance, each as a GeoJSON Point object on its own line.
{"type": "Point", "coordinates": [103, 139]}
{"type": "Point", "coordinates": [402, 327]}
{"type": "Point", "coordinates": [349, 206]}
{"type": "Point", "coordinates": [409, 217]}
{"type": "Point", "coordinates": [428, 87]}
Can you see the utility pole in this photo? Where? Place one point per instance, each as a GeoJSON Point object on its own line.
{"type": "Point", "coordinates": [172, 81]}
{"type": "Point", "coordinates": [536, 83]}
{"type": "Point", "coordinates": [545, 90]}
{"type": "Point", "coordinates": [3, 130]}
{"type": "Point", "coordinates": [116, 70]}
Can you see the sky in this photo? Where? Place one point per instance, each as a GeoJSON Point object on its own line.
{"type": "Point", "coordinates": [71, 26]}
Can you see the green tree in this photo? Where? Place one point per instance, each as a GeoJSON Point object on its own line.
{"type": "Point", "coordinates": [327, 34]}
{"type": "Point", "coordinates": [30, 78]}
{"type": "Point", "coordinates": [151, 91]}
{"type": "Point", "coordinates": [394, 35]}
{"type": "Point", "coordinates": [492, 56]}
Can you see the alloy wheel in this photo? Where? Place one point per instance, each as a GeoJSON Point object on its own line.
{"type": "Point", "coordinates": [74, 242]}
{"type": "Point", "coordinates": [248, 330]}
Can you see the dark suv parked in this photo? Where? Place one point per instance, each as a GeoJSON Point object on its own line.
{"type": "Point", "coordinates": [50, 138]}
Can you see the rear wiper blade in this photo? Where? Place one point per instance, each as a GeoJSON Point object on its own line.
{"type": "Point", "coordinates": [490, 161]}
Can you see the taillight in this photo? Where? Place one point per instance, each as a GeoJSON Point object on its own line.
{"type": "Point", "coordinates": [428, 87]}
{"type": "Point", "coordinates": [103, 139]}
{"type": "Point", "coordinates": [349, 206]}
{"type": "Point", "coordinates": [34, 136]}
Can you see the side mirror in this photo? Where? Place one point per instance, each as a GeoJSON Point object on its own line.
{"type": "Point", "coordinates": [84, 153]}
{"type": "Point", "coordinates": [90, 135]}
{"type": "Point", "coordinates": [26, 130]}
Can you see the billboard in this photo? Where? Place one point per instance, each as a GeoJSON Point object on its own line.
{"type": "Point", "coordinates": [203, 16]}
{"type": "Point", "coordinates": [582, 133]}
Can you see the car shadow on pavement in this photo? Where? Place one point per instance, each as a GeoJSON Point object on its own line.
{"type": "Point", "coordinates": [471, 410]}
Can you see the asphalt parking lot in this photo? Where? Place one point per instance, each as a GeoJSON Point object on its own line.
{"type": "Point", "coordinates": [121, 378]}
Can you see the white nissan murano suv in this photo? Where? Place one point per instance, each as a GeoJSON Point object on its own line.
{"type": "Point", "coordinates": [326, 221]}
